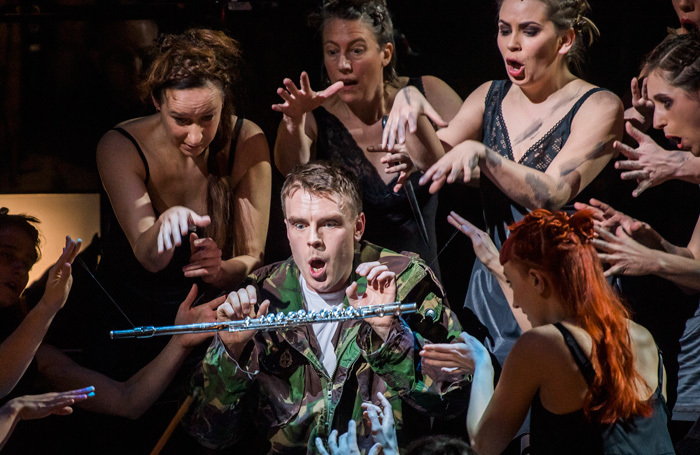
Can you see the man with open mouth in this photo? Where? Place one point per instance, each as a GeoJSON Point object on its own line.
{"type": "Point", "coordinates": [298, 384]}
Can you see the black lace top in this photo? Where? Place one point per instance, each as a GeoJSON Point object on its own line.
{"type": "Point", "coordinates": [391, 220]}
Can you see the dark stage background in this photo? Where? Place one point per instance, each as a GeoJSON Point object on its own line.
{"type": "Point", "coordinates": [68, 71]}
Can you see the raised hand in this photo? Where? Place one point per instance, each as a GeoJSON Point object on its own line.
{"type": "Point", "coordinates": [409, 104]}
{"type": "Point", "coordinates": [396, 161]}
{"type": "Point", "coordinates": [238, 306]}
{"type": "Point", "coordinates": [624, 255]}
{"type": "Point", "coordinates": [648, 164]}
{"type": "Point", "coordinates": [381, 289]}
{"type": "Point", "coordinates": [382, 426]}
{"type": "Point", "coordinates": [205, 259]}
{"type": "Point", "coordinates": [188, 314]}
{"type": "Point", "coordinates": [346, 444]}
{"type": "Point", "coordinates": [60, 279]}
{"type": "Point", "coordinates": [463, 160]}
{"type": "Point", "coordinates": [300, 100]}
{"type": "Point", "coordinates": [484, 248]}
{"type": "Point", "coordinates": [175, 223]}
{"type": "Point", "coordinates": [642, 111]}
{"type": "Point", "coordinates": [449, 357]}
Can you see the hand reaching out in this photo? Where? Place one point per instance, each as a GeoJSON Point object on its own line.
{"type": "Point", "coordinates": [396, 161]}
{"type": "Point", "coordinates": [409, 104]}
{"type": "Point", "coordinates": [624, 255]}
{"type": "Point", "coordinates": [463, 160]}
{"type": "Point", "coordinates": [484, 247]}
{"type": "Point", "coordinates": [299, 101]}
{"type": "Point", "coordinates": [609, 219]}
{"type": "Point", "coordinates": [175, 223]}
{"type": "Point", "coordinates": [648, 164]}
{"type": "Point", "coordinates": [188, 314]}
{"type": "Point", "coordinates": [346, 444]}
{"type": "Point", "coordinates": [205, 259]}
{"type": "Point", "coordinates": [60, 278]}
{"type": "Point", "coordinates": [31, 407]}
{"type": "Point", "coordinates": [451, 357]}
{"type": "Point", "coordinates": [382, 426]}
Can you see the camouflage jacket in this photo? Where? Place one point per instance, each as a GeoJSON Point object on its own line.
{"type": "Point", "coordinates": [282, 388]}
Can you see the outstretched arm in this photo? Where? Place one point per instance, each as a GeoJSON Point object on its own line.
{"type": "Point", "coordinates": [153, 239]}
{"type": "Point", "coordinates": [395, 359]}
{"type": "Point", "coordinates": [18, 350]}
{"type": "Point", "coordinates": [28, 407]}
{"type": "Point", "coordinates": [494, 416]}
{"type": "Point", "coordinates": [629, 257]}
{"type": "Point", "coordinates": [488, 254]}
{"type": "Point", "coordinates": [134, 396]}
{"type": "Point", "coordinates": [588, 149]}
{"type": "Point", "coordinates": [297, 131]}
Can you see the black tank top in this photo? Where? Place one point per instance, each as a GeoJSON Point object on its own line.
{"type": "Point", "coordinates": [573, 433]}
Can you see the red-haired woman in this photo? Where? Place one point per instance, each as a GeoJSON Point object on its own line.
{"type": "Point", "coordinates": [592, 377]}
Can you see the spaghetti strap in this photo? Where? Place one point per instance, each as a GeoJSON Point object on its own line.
{"type": "Point", "coordinates": [234, 142]}
{"type": "Point", "coordinates": [583, 362]}
{"type": "Point", "coordinates": [127, 135]}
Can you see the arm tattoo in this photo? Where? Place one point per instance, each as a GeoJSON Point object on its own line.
{"type": "Point", "coordinates": [571, 165]}
{"type": "Point", "coordinates": [493, 160]}
{"type": "Point", "coordinates": [540, 191]}
{"type": "Point", "coordinates": [407, 96]}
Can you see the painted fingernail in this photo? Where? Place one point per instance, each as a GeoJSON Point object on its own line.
{"type": "Point", "coordinates": [91, 394]}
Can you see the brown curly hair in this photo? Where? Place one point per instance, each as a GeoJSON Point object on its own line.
{"type": "Point", "coordinates": [191, 60]}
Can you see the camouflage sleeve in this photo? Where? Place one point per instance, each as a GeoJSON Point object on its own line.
{"type": "Point", "coordinates": [219, 385]}
{"type": "Point", "coordinates": [428, 389]}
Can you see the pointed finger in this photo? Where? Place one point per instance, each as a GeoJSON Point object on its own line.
{"type": "Point", "coordinates": [643, 186]}
{"type": "Point", "coordinates": [434, 116]}
{"type": "Point", "coordinates": [332, 90]}
{"type": "Point", "coordinates": [191, 296]}
{"type": "Point", "coordinates": [628, 165]}
{"type": "Point", "coordinates": [635, 133]}
{"type": "Point", "coordinates": [626, 150]}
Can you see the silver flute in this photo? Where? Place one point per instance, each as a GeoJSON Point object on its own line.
{"type": "Point", "coordinates": [271, 321]}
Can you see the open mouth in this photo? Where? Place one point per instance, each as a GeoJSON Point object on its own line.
{"type": "Point", "coordinates": [689, 25]}
{"type": "Point", "coordinates": [515, 68]}
{"type": "Point", "coordinates": [676, 141]}
{"type": "Point", "coordinates": [349, 82]}
{"type": "Point", "coordinates": [317, 268]}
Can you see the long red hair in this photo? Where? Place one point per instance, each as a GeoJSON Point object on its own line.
{"type": "Point", "coordinates": [559, 245]}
